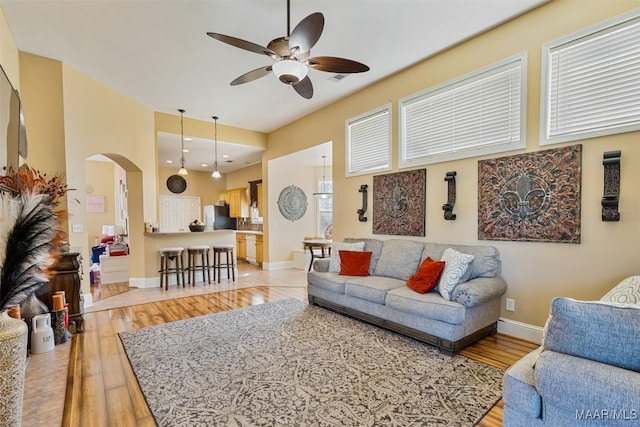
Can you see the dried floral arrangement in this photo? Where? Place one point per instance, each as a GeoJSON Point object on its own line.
{"type": "Point", "coordinates": [30, 216]}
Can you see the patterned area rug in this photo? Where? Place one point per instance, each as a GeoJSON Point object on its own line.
{"type": "Point", "coordinates": [289, 364]}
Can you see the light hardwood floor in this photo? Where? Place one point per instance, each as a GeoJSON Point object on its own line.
{"type": "Point", "coordinates": [89, 381]}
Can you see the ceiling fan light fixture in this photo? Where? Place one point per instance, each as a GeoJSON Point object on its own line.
{"type": "Point", "coordinates": [290, 71]}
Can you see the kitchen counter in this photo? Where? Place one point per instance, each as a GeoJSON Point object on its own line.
{"type": "Point", "coordinates": [180, 233]}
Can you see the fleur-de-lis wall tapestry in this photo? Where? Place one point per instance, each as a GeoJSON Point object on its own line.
{"type": "Point", "coordinates": [399, 203]}
{"type": "Point", "coordinates": [531, 196]}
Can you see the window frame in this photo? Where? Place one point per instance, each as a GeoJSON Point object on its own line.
{"type": "Point", "coordinates": [608, 26]}
{"type": "Point", "coordinates": [386, 108]}
{"type": "Point", "coordinates": [453, 84]}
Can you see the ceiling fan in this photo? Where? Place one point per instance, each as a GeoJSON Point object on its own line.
{"type": "Point", "coordinates": [292, 55]}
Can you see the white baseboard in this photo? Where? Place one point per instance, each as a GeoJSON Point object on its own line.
{"type": "Point", "coordinates": [521, 330]}
{"type": "Point", "coordinates": [280, 265]}
{"type": "Point", "coordinates": [88, 300]}
{"type": "Point", "coordinates": [145, 282]}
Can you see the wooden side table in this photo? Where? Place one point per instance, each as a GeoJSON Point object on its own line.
{"type": "Point", "coordinates": [321, 244]}
{"type": "Point", "coordinates": [67, 278]}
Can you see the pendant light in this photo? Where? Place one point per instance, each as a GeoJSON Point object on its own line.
{"type": "Point", "coordinates": [182, 170]}
{"type": "Point", "coordinates": [216, 173]}
{"type": "Point", "coordinates": [323, 194]}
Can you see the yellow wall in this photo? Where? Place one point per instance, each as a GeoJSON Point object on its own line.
{"type": "Point", "coordinates": [241, 177]}
{"type": "Point", "coordinates": [100, 176]}
{"type": "Point", "coordinates": [199, 184]}
{"type": "Point", "coordinates": [535, 272]}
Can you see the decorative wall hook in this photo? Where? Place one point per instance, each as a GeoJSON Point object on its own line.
{"type": "Point", "coordinates": [450, 177]}
{"type": "Point", "coordinates": [611, 197]}
{"type": "Point", "coordinates": [361, 212]}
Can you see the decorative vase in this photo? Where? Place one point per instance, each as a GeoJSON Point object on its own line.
{"type": "Point", "coordinates": [13, 362]}
{"type": "Point", "coordinates": [30, 308]}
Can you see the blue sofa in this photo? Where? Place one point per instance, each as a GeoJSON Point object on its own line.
{"type": "Point", "coordinates": [384, 299]}
{"type": "Point", "coordinates": [587, 371]}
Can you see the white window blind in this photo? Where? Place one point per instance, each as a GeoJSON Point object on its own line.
{"type": "Point", "coordinates": [591, 82]}
{"type": "Point", "coordinates": [480, 113]}
{"type": "Point", "coordinates": [368, 144]}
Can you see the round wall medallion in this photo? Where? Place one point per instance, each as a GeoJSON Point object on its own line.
{"type": "Point", "coordinates": [176, 184]}
{"type": "Point", "coordinates": [292, 203]}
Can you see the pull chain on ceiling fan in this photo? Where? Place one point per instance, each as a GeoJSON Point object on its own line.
{"type": "Point", "coordinates": [292, 55]}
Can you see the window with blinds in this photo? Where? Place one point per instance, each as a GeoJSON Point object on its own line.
{"type": "Point", "coordinates": [368, 142]}
{"type": "Point", "coordinates": [591, 82]}
{"type": "Point", "coordinates": [480, 113]}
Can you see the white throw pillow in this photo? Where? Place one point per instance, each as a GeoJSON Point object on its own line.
{"type": "Point", "coordinates": [456, 265]}
{"type": "Point", "coordinates": [334, 262]}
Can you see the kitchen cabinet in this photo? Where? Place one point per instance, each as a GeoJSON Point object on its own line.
{"type": "Point", "coordinates": [259, 257]}
{"type": "Point", "coordinates": [241, 245]}
{"type": "Point", "coordinates": [260, 200]}
{"type": "Point", "coordinates": [238, 204]}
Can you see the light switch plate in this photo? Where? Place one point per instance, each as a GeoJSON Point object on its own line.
{"type": "Point", "coordinates": [78, 228]}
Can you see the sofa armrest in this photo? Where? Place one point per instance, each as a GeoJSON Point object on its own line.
{"type": "Point", "coordinates": [519, 386]}
{"type": "Point", "coordinates": [477, 291]}
{"type": "Point", "coordinates": [578, 385]}
{"type": "Point", "coordinates": [321, 265]}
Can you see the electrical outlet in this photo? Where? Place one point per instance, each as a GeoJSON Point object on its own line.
{"type": "Point", "coordinates": [510, 304]}
{"type": "Point", "coordinates": [78, 228]}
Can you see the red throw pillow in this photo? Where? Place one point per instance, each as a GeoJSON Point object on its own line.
{"type": "Point", "coordinates": [354, 263]}
{"type": "Point", "coordinates": [427, 277]}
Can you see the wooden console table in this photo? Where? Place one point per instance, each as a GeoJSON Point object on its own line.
{"type": "Point", "coordinates": [67, 278]}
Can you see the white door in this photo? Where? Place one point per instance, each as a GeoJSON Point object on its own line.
{"type": "Point", "coordinates": [177, 212]}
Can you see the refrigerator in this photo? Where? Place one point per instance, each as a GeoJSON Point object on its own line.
{"type": "Point", "coordinates": [217, 218]}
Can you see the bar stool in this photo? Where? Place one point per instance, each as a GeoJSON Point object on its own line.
{"type": "Point", "coordinates": [218, 250]}
{"type": "Point", "coordinates": [166, 256]}
{"type": "Point", "coordinates": [192, 263]}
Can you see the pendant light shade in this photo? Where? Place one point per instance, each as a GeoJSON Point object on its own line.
{"type": "Point", "coordinates": [323, 194]}
{"type": "Point", "coordinates": [182, 171]}
{"type": "Point", "coordinates": [216, 173]}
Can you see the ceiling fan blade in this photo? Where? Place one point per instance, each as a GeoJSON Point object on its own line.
{"type": "Point", "coordinates": [242, 44]}
{"type": "Point", "coordinates": [336, 65]}
{"type": "Point", "coordinates": [252, 75]}
{"type": "Point", "coordinates": [304, 88]}
{"type": "Point", "coordinates": [307, 33]}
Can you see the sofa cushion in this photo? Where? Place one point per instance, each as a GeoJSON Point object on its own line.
{"type": "Point", "coordinates": [399, 259]}
{"type": "Point", "coordinates": [455, 270]}
{"type": "Point", "coordinates": [332, 282]}
{"type": "Point", "coordinates": [604, 332]}
{"type": "Point", "coordinates": [372, 245]}
{"type": "Point", "coordinates": [354, 263]}
{"type": "Point", "coordinates": [334, 263]}
{"type": "Point", "coordinates": [486, 259]}
{"type": "Point", "coordinates": [430, 305]}
{"type": "Point", "coordinates": [372, 288]}
{"type": "Point", "coordinates": [625, 292]}
{"type": "Point", "coordinates": [427, 277]}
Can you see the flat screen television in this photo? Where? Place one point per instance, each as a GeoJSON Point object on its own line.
{"type": "Point", "coordinates": [13, 138]}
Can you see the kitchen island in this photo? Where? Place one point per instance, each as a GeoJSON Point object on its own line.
{"type": "Point", "coordinates": [155, 241]}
